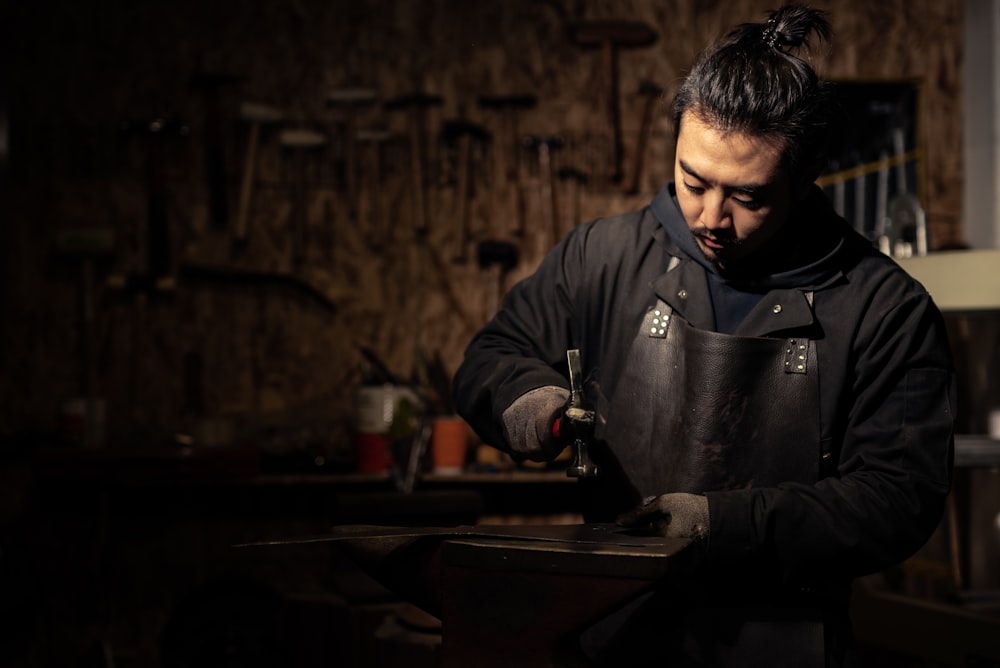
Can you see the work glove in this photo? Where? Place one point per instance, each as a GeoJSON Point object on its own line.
{"type": "Point", "coordinates": [528, 423]}
{"type": "Point", "coordinates": [676, 515]}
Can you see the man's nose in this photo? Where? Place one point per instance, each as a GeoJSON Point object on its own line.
{"type": "Point", "coordinates": [715, 215]}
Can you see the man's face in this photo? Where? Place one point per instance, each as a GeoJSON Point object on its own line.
{"type": "Point", "coordinates": [733, 190]}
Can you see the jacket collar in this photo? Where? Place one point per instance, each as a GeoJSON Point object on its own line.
{"type": "Point", "coordinates": [684, 285]}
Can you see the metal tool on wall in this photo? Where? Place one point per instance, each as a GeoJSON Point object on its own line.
{"type": "Point", "coordinates": [507, 154]}
{"type": "Point", "coordinates": [462, 136]}
{"type": "Point", "coordinates": [373, 209]}
{"type": "Point", "coordinates": [906, 215]}
{"type": "Point", "coordinates": [88, 246]}
{"type": "Point", "coordinates": [194, 272]}
{"type": "Point", "coordinates": [573, 182]}
{"type": "Point", "coordinates": [544, 145]}
{"type": "Point", "coordinates": [351, 101]}
{"type": "Point", "coordinates": [299, 142]}
{"type": "Point", "coordinates": [209, 84]}
{"type": "Point", "coordinates": [158, 276]}
{"type": "Point", "coordinates": [416, 106]}
{"type": "Point", "coordinates": [882, 204]}
{"type": "Point", "coordinates": [652, 95]}
{"type": "Point", "coordinates": [255, 115]}
{"type": "Point", "coordinates": [495, 258]}
{"type": "Point", "coordinates": [611, 37]}
{"type": "Point", "coordinates": [159, 271]}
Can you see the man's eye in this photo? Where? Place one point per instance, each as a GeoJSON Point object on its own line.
{"type": "Point", "coordinates": [694, 189]}
{"type": "Point", "coordinates": [750, 204]}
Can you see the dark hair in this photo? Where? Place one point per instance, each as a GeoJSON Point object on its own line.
{"type": "Point", "coordinates": [750, 81]}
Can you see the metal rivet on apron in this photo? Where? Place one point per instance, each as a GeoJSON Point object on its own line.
{"type": "Point", "coordinates": [792, 351]}
{"type": "Point", "coordinates": [656, 322]}
{"type": "Point", "coordinates": [776, 308]}
{"type": "Point", "coordinates": [682, 293]}
{"type": "Point", "coordinates": [659, 324]}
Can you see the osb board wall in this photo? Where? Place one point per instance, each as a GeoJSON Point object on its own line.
{"type": "Point", "coordinates": [271, 337]}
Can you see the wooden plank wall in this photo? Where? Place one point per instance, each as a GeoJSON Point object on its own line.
{"type": "Point", "coordinates": [267, 335]}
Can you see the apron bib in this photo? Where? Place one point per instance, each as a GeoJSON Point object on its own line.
{"type": "Point", "coordinates": [698, 411]}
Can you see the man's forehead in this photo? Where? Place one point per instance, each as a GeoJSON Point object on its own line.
{"type": "Point", "coordinates": [729, 158]}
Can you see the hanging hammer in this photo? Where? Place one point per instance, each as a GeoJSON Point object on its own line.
{"type": "Point", "coordinates": [574, 180]}
{"type": "Point", "coordinates": [507, 164]}
{"type": "Point", "coordinates": [611, 36]}
{"type": "Point", "coordinates": [417, 104]}
{"type": "Point", "coordinates": [215, 151]}
{"type": "Point", "coordinates": [544, 146]}
{"type": "Point", "coordinates": [351, 100]}
{"type": "Point", "coordinates": [375, 212]}
{"type": "Point", "coordinates": [652, 94]}
{"type": "Point", "coordinates": [462, 134]}
{"type": "Point", "coordinates": [159, 274]}
{"type": "Point", "coordinates": [298, 141]}
{"type": "Point", "coordinates": [255, 115]}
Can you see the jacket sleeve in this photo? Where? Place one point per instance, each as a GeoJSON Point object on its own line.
{"type": "Point", "coordinates": [894, 467]}
{"type": "Point", "coordinates": [523, 347]}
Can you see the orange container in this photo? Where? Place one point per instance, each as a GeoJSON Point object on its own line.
{"type": "Point", "coordinates": [449, 443]}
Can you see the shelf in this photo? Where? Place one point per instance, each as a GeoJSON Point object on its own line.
{"type": "Point", "coordinates": [959, 281]}
{"type": "Point", "coordinates": [976, 451]}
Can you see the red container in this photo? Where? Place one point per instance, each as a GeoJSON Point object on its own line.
{"type": "Point", "coordinates": [373, 453]}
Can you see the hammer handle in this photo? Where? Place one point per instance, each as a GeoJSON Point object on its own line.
{"type": "Point", "coordinates": [614, 112]}
{"type": "Point", "coordinates": [246, 187]}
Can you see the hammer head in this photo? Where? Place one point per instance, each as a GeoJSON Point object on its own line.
{"type": "Point", "coordinates": [614, 33]}
{"type": "Point", "coordinates": [418, 100]}
{"type": "Point", "coordinates": [457, 127]}
{"type": "Point", "coordinates": [301, 138]}
{"type": "Point", "coordinates": [571, 174]}
{"type": "Point", "coordinates": [351, 97]}
{"type": "Point", "coordinates": [212, 81]}
{"type": "Point", "coordinates": [256, 112]}
{"type": "Point", "coordinates": [507, 101]}
{"type": "Point", "coordinates": [650, 89]}
{"type": "Point", "coordinates": [536, 141]}
{"type": "Point", "coordinates": [491, 252]}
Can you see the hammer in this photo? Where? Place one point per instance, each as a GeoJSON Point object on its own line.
{"type": "Point", "coordinates": [351, 100]}
{"type": "Point", "coordinates": [160, 267]}
{"type": "Point", "coordinates": [544, 145]}
{"type": "Point", "coordinates": [498, 258]}
{"type": "Point", "coordinates": [378, 227]}
{"type": "Point", "coordinates": [652, 93]}
{"type": "Point", "coordinates": [611, 36]}
{"type": "Point", "coordinates": [462, 133]}
{"type": "Point", "coordinates": [298, 141]}
{"type": "Point", "coordinates": [215, 155]}
{"type": "Point", "coordinates": [417, 104]}
{"type": "Point", "coordinates": [507, 163]}
{"type": "Point", "coordinates": [256, 115]}
{"type": "Point", "coordinates": [574, 181]}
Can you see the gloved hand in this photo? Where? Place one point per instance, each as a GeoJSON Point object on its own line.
{"type": "Point", "coordinates": [527, 423]}
{"type": "Point", "coordinates": [676, 515]}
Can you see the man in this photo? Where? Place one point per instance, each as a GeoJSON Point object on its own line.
{"type": "Point", "coordinates": [765, 382]}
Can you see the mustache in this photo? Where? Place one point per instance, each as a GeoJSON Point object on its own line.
{"type": "Point", "coordinates": [726, 238]}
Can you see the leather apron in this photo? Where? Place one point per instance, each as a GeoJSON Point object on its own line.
{"type": "Point", "coordinates": [698, 411]}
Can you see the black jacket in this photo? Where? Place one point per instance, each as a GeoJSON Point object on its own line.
{"type": "Point", "coordinates": [886, 381]}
